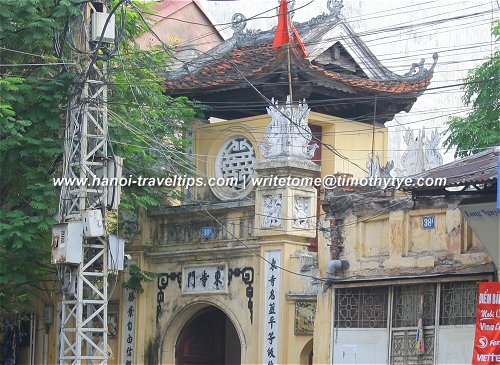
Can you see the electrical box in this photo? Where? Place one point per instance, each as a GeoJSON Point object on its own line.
{"type": "Point", "coordinates": [114, 169]}
{"type": "Point", "coordinates": [110, 178]}
{"type": "Point", "coordinates": [98, 21]}
{"type": "Point", "coordinates": [67, 240]}
{"type": "Point", "coordinates": [116, 252]}
{"type": "Point", "coordinates": [93, 224]}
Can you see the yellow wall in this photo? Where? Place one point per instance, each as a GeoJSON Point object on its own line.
{"type": "Point", "coordinates": [351, 139]}
{"type": "Point", "coordinates": [398, 240]}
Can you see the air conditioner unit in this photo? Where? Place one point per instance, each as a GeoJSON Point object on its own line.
{"type": "Point", "coordinates": [98, 21]}
{"type": "Point", "coordinates": [67, 239]}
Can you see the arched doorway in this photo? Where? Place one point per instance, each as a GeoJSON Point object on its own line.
{"type": "Point", "coordinates": [306, 355]}
{"type": "Point", "coordinates": [209, 337]}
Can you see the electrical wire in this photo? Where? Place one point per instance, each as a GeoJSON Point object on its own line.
{"type": "Point", "coordinates": [169, 161]}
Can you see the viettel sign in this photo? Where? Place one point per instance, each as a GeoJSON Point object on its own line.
{"type": "Point", "coordinates": [487, 341]}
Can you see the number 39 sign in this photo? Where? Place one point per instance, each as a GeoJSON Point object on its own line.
{"type": "Point", "coordinates": [487, 341]}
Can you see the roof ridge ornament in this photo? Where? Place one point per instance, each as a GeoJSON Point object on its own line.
{"type": "Point", "coordinates": [240, 35]}
{"type": "Point", "coordinates": [417, 70]}
{"type": "Point", "coordinates": [334, 10]}
{"type": "Point", "coordinates": [238, 23]}
{"type": "Point", "coordinates": [335, 7]}
{"type": "Point", "coordinates": [288, 135]}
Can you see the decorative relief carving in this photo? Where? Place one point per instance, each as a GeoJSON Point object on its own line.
{"type": "Point", "coordinates": [305, 312]}
{"type": "Point", "coordinates": [247, 276]}
{"type": "Point", "coordinates": [288, 134]}
{"type": "Point", "coordinates": [209, 279]}
{"type": "Point", "coordinates": [163, 280]}
{"type": "Point", "coordinates": [192, 231]}
{"type": "Point", "coordinates": [271, 210]}
{"type": "Point", "coordinates": [301, 211]}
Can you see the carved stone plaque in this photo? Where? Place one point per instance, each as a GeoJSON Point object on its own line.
{"type": "Point", "coordinates": [305, 311]}
{"type": "Point", "coordinates": [271, 210]}
{"type": "Point", "coordinates": [301, 211]}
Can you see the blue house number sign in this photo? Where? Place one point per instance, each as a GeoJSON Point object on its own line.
{"type": "Point", "coordinates": [428, 222]}
{"type": "Point", "coordinates": [206, 232]}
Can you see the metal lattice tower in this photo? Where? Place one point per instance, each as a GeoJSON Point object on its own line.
{"type": "Point", "coordinates": [83, 336]}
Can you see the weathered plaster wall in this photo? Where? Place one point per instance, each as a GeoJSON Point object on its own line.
{"type": "Point", "coordinates": [397, 241]}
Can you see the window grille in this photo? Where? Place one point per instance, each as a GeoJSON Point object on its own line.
{"type": "Point", "coordinates": [458, 303]}
{"type": "Point", "coordinates": [407, 302]}
{"type": "Point", "coordinates": [361, 307]}
{"type": "Point", "coordinates": [403, 350]}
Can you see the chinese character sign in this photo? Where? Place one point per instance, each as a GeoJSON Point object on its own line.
{"type": "Point", "coordinates": [128, 323]}
{"type": "Point", "coordinates": [204, 279]}
{"type": "Point", "coordinates": [487, 341]}
{"type": "Point", "coordinates": [271, 307]}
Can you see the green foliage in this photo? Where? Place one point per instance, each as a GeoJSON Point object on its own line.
{"type": "Point", "coordinates": [481, 128]}
{"type": "Point", "coordinates": [137, 99]}
{"type": "Point", "coordinates": [137, 277]}
{"type": "Point", "coordinates": [33, 103]}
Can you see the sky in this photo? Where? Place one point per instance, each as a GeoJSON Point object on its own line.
{"type": "Point", "coordinates": [459, 31]}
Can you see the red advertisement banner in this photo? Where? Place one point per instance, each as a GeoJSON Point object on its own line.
{"type": "Point", "coordinates": [487, 341]}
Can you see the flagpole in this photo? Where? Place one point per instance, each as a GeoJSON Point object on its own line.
{"type": "Point", "coordinates": [290, 36]}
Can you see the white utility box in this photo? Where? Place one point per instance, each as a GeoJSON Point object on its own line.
{"type": "Point", "coordinates": [114, 168]}
{"type": "Point", "coordinates": [67, 240]}
{"type": "Point", "coordinates": [116, 253]}
{"type": "Point", "coordinates": [93, 224]}
{"type": "Point", "coordinates": [98, 21]}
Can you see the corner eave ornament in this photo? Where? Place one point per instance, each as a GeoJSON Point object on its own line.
{"type": "Point", "coordinates": [288, 135]}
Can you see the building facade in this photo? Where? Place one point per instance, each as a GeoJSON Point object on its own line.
{"type": "Point", "coordinates": [413, 267]}
{"type": "Point", "coordinates": [281, 270]}
{"type": "Point", "coordinates": [241, 267]}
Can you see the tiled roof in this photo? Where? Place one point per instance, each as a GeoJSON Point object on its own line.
{"type": "Point", "coordinates": [223, 71]}
{"type": "Point", "coordinates": [256, 61]}
{"type": "Point", "coordinates": [479, 168]}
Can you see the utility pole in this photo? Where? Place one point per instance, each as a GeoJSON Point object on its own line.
{"type": "Point", "coordinates": [80, 242]}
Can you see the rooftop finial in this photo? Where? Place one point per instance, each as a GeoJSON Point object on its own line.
{"type": "Point", "coordinates": [288, 135]}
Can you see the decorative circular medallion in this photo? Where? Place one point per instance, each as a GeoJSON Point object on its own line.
{"type": "Point", "coordinates": [234, 165]}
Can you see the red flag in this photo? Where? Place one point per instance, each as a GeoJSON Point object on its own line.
{"type": "Point", "coordinates": [281, 36]}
